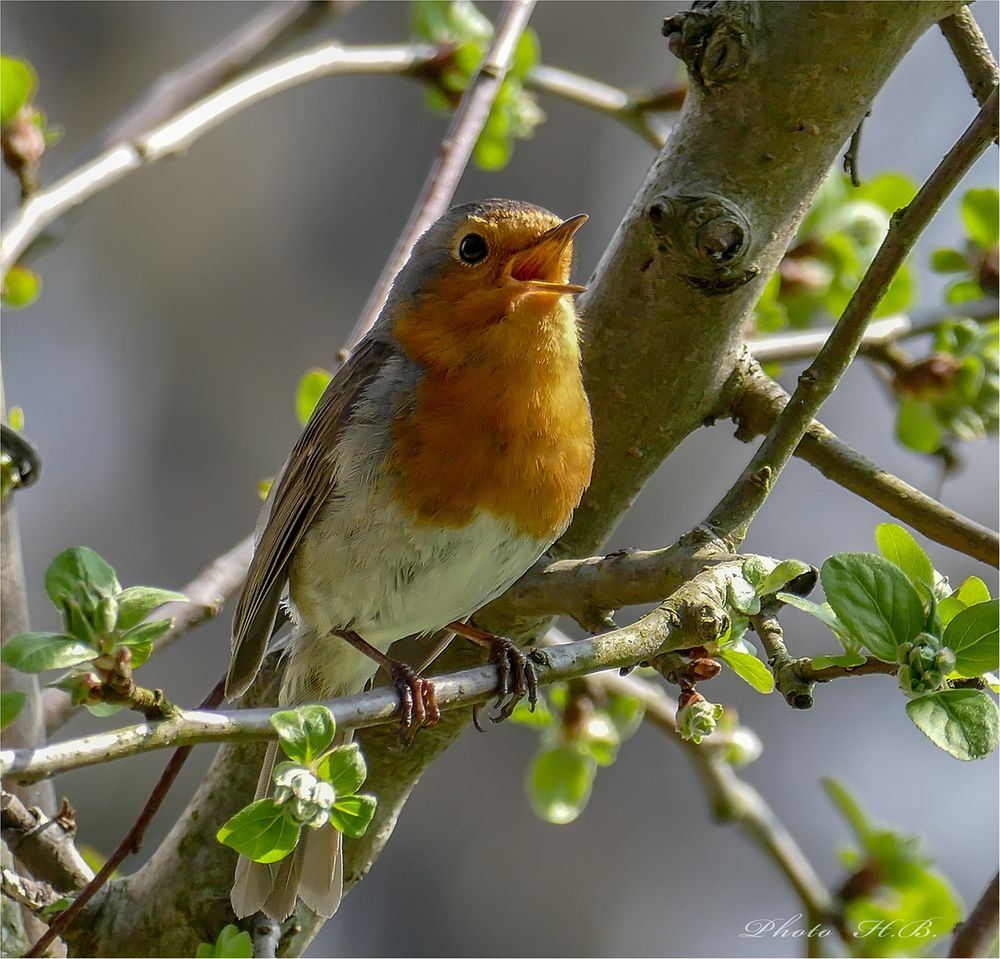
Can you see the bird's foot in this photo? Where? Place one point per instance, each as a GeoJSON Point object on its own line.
{"type": "Point", "coordinates": [417, 698]}
{"type": "Point", "coordinates": [516, 679]}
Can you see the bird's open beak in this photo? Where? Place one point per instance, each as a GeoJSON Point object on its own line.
{"type": "Point", "coordinates": [540, 264]}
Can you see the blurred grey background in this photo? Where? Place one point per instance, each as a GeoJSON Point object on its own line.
{"type": "Point", "coordinates": [157, 374]}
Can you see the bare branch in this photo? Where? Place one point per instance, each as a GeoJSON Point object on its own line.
{"type": "Point", "coordinates": [789, 347]}
{"type": "Point", "coordinates": [972, 50]}
{"type": "Point", "coordinates": [44, 845]}
{"type": "Point", "coordinates": [452, 159]}
{"type": "Point", "coordinates": [736, 510]}
{"type": "Point", "coordinates": [978, 934]}
{"type": "Point", "coordinates": [691, 616]}
{"type": "Point", "coordinates": [759, 402]}
{"type": "Point", "coordinates": [273, 27]}
{"type": "Point", "coordinates": [36, 895]}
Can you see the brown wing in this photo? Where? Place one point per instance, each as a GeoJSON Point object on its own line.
{"type": "Point", "coordinates": [304, 486]}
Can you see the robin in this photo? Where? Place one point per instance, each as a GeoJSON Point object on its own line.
{"type": "Point", "coordinates": [444, 458]}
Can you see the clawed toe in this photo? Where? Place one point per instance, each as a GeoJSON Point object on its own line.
{"type": "Point", "coordinates": [418, 700]}
{"type": "Point", "coordinates": [516, 680]}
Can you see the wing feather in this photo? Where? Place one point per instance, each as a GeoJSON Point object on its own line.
{"type": "Point", "coordinates": [302, 489]}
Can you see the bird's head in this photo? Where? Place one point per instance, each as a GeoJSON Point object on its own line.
{"type": "Point", "coordinates": [486, 271]}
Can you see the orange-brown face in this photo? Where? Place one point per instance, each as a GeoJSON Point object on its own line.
{"type": "Point", "coordinates": [480, 265]}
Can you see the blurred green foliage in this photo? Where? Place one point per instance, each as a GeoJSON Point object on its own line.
{"type": "Point", "coordinates": [458, 26]}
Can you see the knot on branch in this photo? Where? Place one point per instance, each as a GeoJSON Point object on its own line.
{"type": "Point", "coordinates": [710, 234]}
{"type": "Point", "coordinates": [712, 43]}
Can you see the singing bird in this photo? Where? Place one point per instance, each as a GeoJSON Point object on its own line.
{"type": "Point", "coordinates": [443, 460]}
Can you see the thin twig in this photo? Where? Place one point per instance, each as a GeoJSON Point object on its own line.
{"type": "Point", "coordinates": [758, 405]}
{"type": "Point", "coordinates": [736, 510]}
{"type": "Point", "coordinates": [972, 50]}
{"type": "Point", "coordinates": [978, 934]}
{"type": "Point", "coordinates": [732, 799]}
{"type": "Point", "coordinates": [789, 347]}
{"type": "Point", "coordinates": [613, 102]}
{"type": "Point", "coordinates": [266, 936]}
{"type": "Point", "coordinates": [682, 621]}
{"type": "Point", "coordinates": [178, 133]}
{"type": "Point", "coordinates": [133, 838]}
{"type": "Point", "coordinates": [452, 159]}
{"type": "Point", "coordinates": [266, 32]}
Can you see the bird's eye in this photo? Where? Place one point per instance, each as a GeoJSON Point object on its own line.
{"type": "Point", "coordinates": [472, 249]}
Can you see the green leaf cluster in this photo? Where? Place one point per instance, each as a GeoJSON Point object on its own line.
{"type": "Point", "coordinates": [100, 620]}
{"type": "Point", "coordinates": [953, 393]}
{"type": "Point", "coordinates": [231, 943]}
{"type": "Point", "coordinates": [897, 608]}
{"type": "Point", "coordinates": [578, 736]}
{"type": "Point", "coordinates": [318, 775]}
{"type": "Point", "coordinates": [837, 240]}
{"type": "Point", "coordinates": [896, 903]}
{"type": "Point", "coordinates": [974, 267]}
{"type": "Point", "coordinates": [457, 26]}
{"type": "Point", "coordinates": [745, 595]}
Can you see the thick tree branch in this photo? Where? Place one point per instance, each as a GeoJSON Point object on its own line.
{"type": "Point", "coordinates": [972, 50]}
{"type": "Point", "coordinates": [739, 506]}
{"type": "Point", "coordinates": [757, 404]}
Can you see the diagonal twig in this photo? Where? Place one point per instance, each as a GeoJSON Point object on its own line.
{"type": "Point", "coordinates": [972, 51]}
{"type": "Point", "coordinates": [453, 157]}
{"type": "Point", "coordinates": [740, 505]}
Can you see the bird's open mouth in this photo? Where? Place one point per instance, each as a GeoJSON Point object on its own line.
{"type": "Point", "coordinates": [540, 264]}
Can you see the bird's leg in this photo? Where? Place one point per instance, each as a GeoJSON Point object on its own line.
{"type": "Point", "coordinates": [416, 694]}
{"type": "Point", "coordinates": [516, 673]}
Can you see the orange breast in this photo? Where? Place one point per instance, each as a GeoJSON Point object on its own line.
{"type": "Point", "coordinates": [505, 429]}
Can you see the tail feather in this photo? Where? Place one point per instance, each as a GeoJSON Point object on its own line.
{"type": "Point", "coordinates": [313, 872]}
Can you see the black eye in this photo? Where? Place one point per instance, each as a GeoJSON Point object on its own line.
{"type": "Point", "coordinates": [472, 249]}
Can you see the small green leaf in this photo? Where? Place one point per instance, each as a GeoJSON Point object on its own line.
{"type": "Point", "coordinates": [344, 768]}
{"type": "Point", "coordinates": [962, 722]}
{"type": "Point", "coordinates": [972, 635]}
{"type": "Point", "coordinates": [781, 576]}
{"type": "Point", "coordinates": [103, 710]}
{"type": "Point", "coordinates": [964, 291]}
{"type": "Point", "coordinates": [260, 831]}
{"type": "Point", "coordinates": [76, 569]}
{"type": "Point", "coordinates": [742, 596]}
{"type": "Point", "coordinates": [38, 652]}
{"type": "Point", "coordinates": [899, 547]}
{"type": "Point", "coordinates": [231, 943]}
{"type": "Point", "coordinates": [140, 640]}
{"type": "Point", "coordinates": [21, 287]}
{"type": "Point", "coordinates": [311, 388]}
{"type": "Point", "coordinates": [979, 213]}
{"type": "Point", "coordinates": [625, 713]}
{"type": "Point", "coordinates": [874, 600]}
{"type": "Point", "coordinates": [821, 611]}
{"type": "Point", "coordinates": [559, 784]}
{"type": "Point", "coordinates": [305, 733]}
{"type": "Point", "coordinates": [11, 703]}
{"type": "Point", "coordinates": [17, 82]}
{"type": "Point", "coordinates": [949, 261]}
{"type": "Point", "coordinates": [973, 591]}
{"type": "Point", "coordinates": [538, 718]}
{"type": "Point", "coordinates": [917, 427]}
{"type": "Point", "coordinates": [137, 602]}
{"type": "Point", "coordinates": [749, 668]}
{"type": "Point", "coordinates": [352, 815]}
